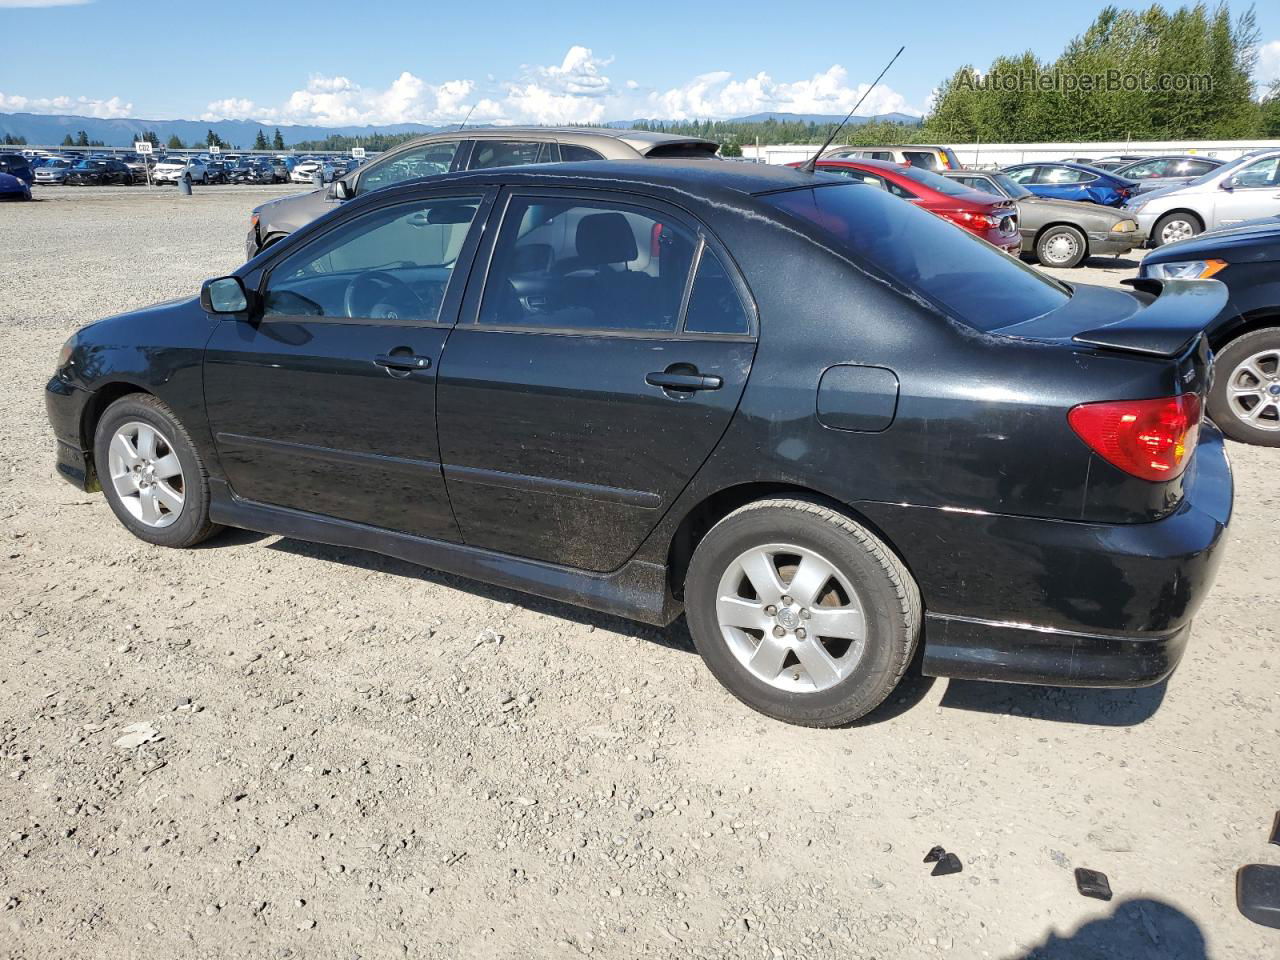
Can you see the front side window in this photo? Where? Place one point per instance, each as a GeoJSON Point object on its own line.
{"type": "Point", "coordinates": [390, 264]}
{"type": "Point", "coordinates": [1056, 175]}
{"type": "Point", "coordinates": [587, 265]}
{"type": "Point", "coordinates": [1260, 173]}
{"type": "Point", "coordinates": [427, 160]}
{"type": "Point", "coordinates": [505, 153]}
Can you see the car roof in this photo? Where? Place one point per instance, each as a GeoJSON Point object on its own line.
{"type": "Point", "coordinates": [642, 141]}
{"type": "Point", "coordinates": [701, 179]}
{"type": "Point", "coordinates": [890, 166]}
{"type": "Point", "coordinates": [1174, 156]}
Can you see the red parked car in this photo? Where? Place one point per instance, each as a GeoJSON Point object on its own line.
{"type": "Point", "coordinates": [994, 219]}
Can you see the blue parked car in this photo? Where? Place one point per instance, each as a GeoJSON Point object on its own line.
{"type": "Point", "coordinates": [11, 188]}
{"type": "Point", "coordinates": [1073, 181]}
{"type": "Point", "coordinates": [16, 165]}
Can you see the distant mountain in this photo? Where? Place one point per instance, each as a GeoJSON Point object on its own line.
{"type": "Point", "coordinates": [50, 129]}
{"type": "Point", "coordinates": [828, 118]}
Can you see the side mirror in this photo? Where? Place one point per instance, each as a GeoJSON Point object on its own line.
{"type": "Point", "coordinates": [224, 295]}
{"type": "Point", "coordinates": [340, 190]}
{"type": "Point", "coordinates": [1230, 183]}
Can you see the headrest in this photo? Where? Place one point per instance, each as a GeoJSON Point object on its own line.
{"type": "Point", "coordinates": [605, 238]}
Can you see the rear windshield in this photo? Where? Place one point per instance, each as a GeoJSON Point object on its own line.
{"type": "Point", "coordinates": [935, 181]}
{"type": "Point", "coordinates": [925, 255]}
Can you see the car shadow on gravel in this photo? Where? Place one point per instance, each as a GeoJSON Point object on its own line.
{"type": "Point", "coordinates": [674, 637]}
{"type": "Point", "coordinates": [1136, 928]}
{"type": "Point", "coordinates": [1093, 707]}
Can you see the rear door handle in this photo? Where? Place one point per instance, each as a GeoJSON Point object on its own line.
{"type": "Point", "coordinates": [683, 381]}
{"type": "Point", "coordinates": [402, 361]}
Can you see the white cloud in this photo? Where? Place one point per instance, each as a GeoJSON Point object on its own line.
{"type": "Point", "coordinates": [719, 95]}
{"type": "Point", "coordinates": [575, 90]}
{"type": "Point", "coordinates": [339, 101]}
{"type": "Point", "coordinates": [43, 3]}
{"type": "Point", "coordinates": [1268, 70]}
{"type": "Point", "coordinates": [79, 106]}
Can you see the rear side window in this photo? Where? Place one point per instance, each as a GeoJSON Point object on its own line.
{"type": "Point", "coordinates": [572, 153]}
{"type": "Point", "coordinates": [1050, 175]}
{"type": "Point", "coordinates": [926, 256]}
{"type": "Point", "coordinates": [587, 265]}
{"type": "Point", "coordinates": [921, 158]}
{"type": "Point", "coordinates": [505, 153]}
{"type": "Point", "coordinates": [714, 304]}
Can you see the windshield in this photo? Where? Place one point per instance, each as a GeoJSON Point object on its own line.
{"type": "Point", "coordinates": [925, 256]}
{"type": "Point", "coordinates": [937, 182]}
{"type": "Point", "coordinates": [1226, 168]}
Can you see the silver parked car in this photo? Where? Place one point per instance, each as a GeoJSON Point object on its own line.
{"type": "Point", "coordinates": [1244, 189]}
{"type": "Point", "coordinates": [1155, 173]}
{"type": "Point", "coordinates": [470, 150]}
{"type": "Point", "coordinates": [1058, 233]}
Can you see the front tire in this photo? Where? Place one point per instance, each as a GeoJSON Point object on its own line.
{"type": "Point", "coordinates": [152, 473]}
{"type": "Point", "coordinates": [803, 614]}
{"type": "Point", "coordinates": [1062, 246]}
{"type": "Point", "coordinates": [1245, 399]}
{"type": "Point", "coordinates": [1175, 226]}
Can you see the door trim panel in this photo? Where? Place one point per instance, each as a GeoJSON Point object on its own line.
{"type": "Point", "coordinates": [562, 488]}
{"type": "Point", "coordinates": [330, 454]}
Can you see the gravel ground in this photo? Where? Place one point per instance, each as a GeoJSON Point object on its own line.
{"type": "Point", "coordinates": [348, 756]}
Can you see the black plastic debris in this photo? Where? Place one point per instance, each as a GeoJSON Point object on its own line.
{"type": "Point", "coordinates": [934, 855]}
{"type": "Point", "coordinates": [1258, 893]}
{"type": "Point", "coordinates": [948, 865]}
{"type": "Point", "coordinates": [1092, 883]}
{"type": "Point", "coordinates": [1275, 830]}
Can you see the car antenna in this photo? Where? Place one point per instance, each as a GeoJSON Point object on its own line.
{"type": "Point", "coordinates": [808, 165]}
{"type": "Point", "coordinates": [466, 118]}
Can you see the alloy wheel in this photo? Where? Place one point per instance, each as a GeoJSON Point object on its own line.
{"type": "Point", "coordinates": [1253, 390]}
{"type": "Point", "coordinates": [791, 618]}
{"type": "Point", "coordinates": [146, 474]}
{"type": "Point", "coordinates": [1176, 230]}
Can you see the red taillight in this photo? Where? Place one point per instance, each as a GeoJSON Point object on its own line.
{"type": "Point", "coordinates": [980, 221]}
{"type": "Point", "coordinates": [1151, 439]}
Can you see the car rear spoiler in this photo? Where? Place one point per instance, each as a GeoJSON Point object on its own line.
{"type": "Point", "coordinates": [1167, 325]}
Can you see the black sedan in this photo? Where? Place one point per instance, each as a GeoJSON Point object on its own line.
{"type": "Point", "coordinates": [1245, 398]}
{"type": "Point", "coordinates": [99, 173]}
{"type": "Point", "coordinates": [826, 424]}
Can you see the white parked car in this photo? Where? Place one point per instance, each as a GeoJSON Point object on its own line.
{"type": "Point", "coordinates": [305, 172]}
{"type": "Point", "coordinates": [1247, 188]}
{"type": "Point", "coordinates": [171, 169]}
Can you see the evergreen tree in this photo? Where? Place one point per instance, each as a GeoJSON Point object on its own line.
{"type": "Point", "coordinates": [261, 142]}
{"type": "Point", "coordinates": [82, 139]}
{"type": "Point", "coordinates": [175, 142]}
{"type": "Point", "coordinates": [67, 141]}
{"type": "Point", "coordinates": [277, 142]}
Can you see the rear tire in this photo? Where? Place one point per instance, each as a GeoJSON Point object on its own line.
{"type": "Point", "coordinates": [1245, 399]}
{"type": "Point", "coordinates": [152, 474]}
{"type": "Point", "coordinates": [1062, 246]}
{"type": "Point", "coordinates": [823, 657]}
{"type": "Point", "coordinates": [1175, 226]}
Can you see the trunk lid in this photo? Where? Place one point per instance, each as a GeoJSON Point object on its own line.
{"type": "Point", "coordinates": [1159, 318]}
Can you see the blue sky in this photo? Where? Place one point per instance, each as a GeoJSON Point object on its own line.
{"type": "Point", "coordinates": [385, 61]}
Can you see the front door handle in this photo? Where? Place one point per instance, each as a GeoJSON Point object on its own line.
{"type": "Point", "coordinates": [683, 381]}
{"type": "Point", "coordinates": [402, 361]}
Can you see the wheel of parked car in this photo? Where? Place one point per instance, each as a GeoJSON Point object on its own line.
{"type": "Point", "coordinates": [152, 474]}
{"type": "Point", "coordinates": [800, 612]}
{"type": "Point", "coordinates": [1175, 226]}
{"type": "Point", "coordinates": [1245, 399]}
{"type": "Point", "coordinates": [1062, 246]}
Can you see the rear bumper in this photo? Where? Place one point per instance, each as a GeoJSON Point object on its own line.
{"type": "Point", "coordinates": [1066, 603]}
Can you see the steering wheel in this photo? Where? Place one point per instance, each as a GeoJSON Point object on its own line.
{"type": "Point", "coordinates": [388, 290]}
